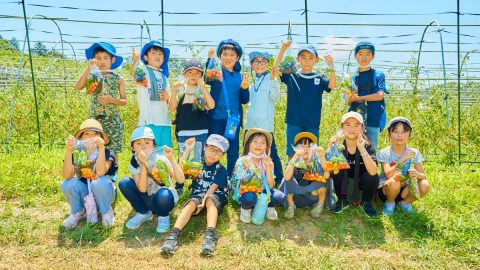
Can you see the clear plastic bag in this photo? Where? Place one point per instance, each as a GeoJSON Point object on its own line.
{"type": "Point", "coordinates": [298, 163]}
{"type": "Point", "coordinates": [140, 75]}
{"type": "Point", "coordinates": [84, 159]}
{"type": "Point", "coordinates": [336, 160]}
{"type": "Point", "coordinates": [192, 167]}
{"type": "Point", "coordinates": [94, 84]}
{"type": "Point", "coordinates": [288, 65]}
{"type": "Point", "coordinates": [199, 103]}
{"type": "Point", "coordinates": [252, 182]}
{"type": "Point", "coordinates": [348, 86]}
{"type": "Point", "coordinates": [157, 169]}
{"type": "Point", "coordinates": [214, 70]}
{"type": "Point", "coordinates": [401, 175]}
{"type": "Point", "coordinates": [314, 170]}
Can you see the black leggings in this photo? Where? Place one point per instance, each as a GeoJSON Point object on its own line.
{"type": "Point", "coordinates": [367, 183]}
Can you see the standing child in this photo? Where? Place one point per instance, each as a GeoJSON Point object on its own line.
{"type": "Point", "coordinates": [104, 105]}
{"type": "Point", "coordinates": [209, 194]}
{"type": "Point", "coordinates": [229, 52]}
{"type": "Point", "coordinates": [145, 191]}
{"type": "Point", "coordinates": [304, 92]}
{"type": "Point", "coordinates": [300, 191]}
{"type": "Point", "coordinates": [153, 97]}
{"type": "Point", "coordinates": [251, 171]}
{"type": "Point", "coordinates": [75, 186]}
{"type": "Point", "coordinates": [264, 93]}
{"type": "Point", "coordinates": [369, 101]}
{"type": "Point", "coordinates": [392, 190]}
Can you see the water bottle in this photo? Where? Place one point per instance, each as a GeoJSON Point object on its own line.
{"type": "Point", "coordinates": [258, 215]}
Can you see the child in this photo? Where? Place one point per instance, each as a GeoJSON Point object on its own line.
{"type": "Point", "coordinates": [145, 194]}
{"type": "Point", "coordinates": [363, 170]}
{"type": "Point", "coordinates": [154, 96]}
{"type": "Point", "coordinates": [209, 194]}
{"type": "Point", "coordinates": [75, 186]}
{"type": "Point", "coordinates": [264, 93]}
{"type": "Point", "coordinates": [256, 163]}
{"type": "Point", "coordinates": [229, 52]}
{"type": "Point", "coordinates": [390, 190]}
{"type": "Point", "coordinates": [304, 92]}
{"type": "Point", "coordinates": [369, 101]}
{"type": "Point", "coordinates": [104, 105]}
{"type": "Point", "coordinates": [300, 191]}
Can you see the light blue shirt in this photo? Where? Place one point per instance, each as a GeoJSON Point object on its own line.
{"type": "Point", "coordinates": [386, 155]}
{"type": "Point", "coordinates": [264, 93]}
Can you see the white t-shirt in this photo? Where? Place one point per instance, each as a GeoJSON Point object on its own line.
{"type": "Point", "coordinates": [152, 112]}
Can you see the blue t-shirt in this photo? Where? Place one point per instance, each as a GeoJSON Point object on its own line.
{"type": "Point", "coordinates": [236, 96]}
{"type": "Point", "coordinates": [213, 174]}
{"type": "Point", "coordinates": [304, 98]}
{"type": "Point", "coordinates": [367, 85]}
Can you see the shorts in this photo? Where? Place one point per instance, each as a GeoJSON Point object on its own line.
{"type": "Point", "coordinates": [198, 200]}
{"type": "Point", "coordinates": [383, 197]}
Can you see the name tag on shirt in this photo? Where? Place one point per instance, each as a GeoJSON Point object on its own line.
{"type": "Point", "coordinates": [316, 81]}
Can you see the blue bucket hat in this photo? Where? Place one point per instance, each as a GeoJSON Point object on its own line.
{"type": "Point", "coordinates": [166, 52]}
{"type": "Point", "coordinates": [109, 48]}
{"type": "Point", "coordinates": [236, 47]}
{"type": "Point", "coordinates": [255, 54]}
{"type": "Point", "coordinates": [364, 45]}
{"type": "Point", "coordinates": [308, 48]}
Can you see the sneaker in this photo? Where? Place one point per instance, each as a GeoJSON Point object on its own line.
{"type": "Point", "coordinates": [108, 219]}
{"type": "Point", "coordinates": [369, 210]}
{"type": "Point", "coordinates": [388, 208]}
{"type": "Point", "coordinates": [73, 219]}
{"type": "Point", "coordinates": [406, 207]}
{"type": "Point", "coordinates": [340, 205]}
{"type": "Point", "coordinates": [209, 241]}
{"type": "Point", "coordinates": [245, 215]}
{"type": "Point", "coordinates": [317, 210]}
{"type": "Point", "coordinates": [138, 219]}
{"type": "Point", "coordinates": [163, 224]}
{"type": "Point", "coordinates": [272, 213]}
{"type": "Point", "coordinates": [171, 243]}
{"type": "Point", "coordinates": [290, 211]}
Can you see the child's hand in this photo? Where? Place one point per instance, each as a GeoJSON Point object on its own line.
{"type": "Point", "coordinates": [273, 73]}
{"type": "Point", "coordinates": [163, 95]}
{"type": "Point", "coordinates": [409, 154]}
{"type": "Point", "coordinates": [245, 83]}
{"type": "Point", "coordinates": [201, 206]}
{"type": "Point", "coordinates": [286, 44]}
{"type": "Point", "coordinates": [135, 55]}
{"type": "Point", "coordinates": [246, 163]}
{"type": "Point", "coordinates": [99, 142]}
{"type": "Point", "coordinates": [298, 152]}
{"type": "Point", "coordinates": [70, 143]}
{"type": "Point", "coordinates": [353, 98]}
{"type": "Point", "coordinates": [177, 86]}
{"type": "Point", "coordinates": [200, 82]}
{"type": "Point", "coordinates": [413, 173]}
{"type": "Point", "coordinates": [320, 151]}
{"type": "Point", "coordinates": [91, 63]}
{"type": "Point", "coordinates": [329, 61]}
{"type": "Point", "coordinates": [103, 99]}
{"type": "Point", "coordinates": [268, 163]}
{"type": "Point", "coordinates": [361, 142]}
{"type": "Point", "coordinates": [142, 157]}
{"type": "Point", "coordinates": [211, 52]}
{"type": "Point", "coordinates": [168, 152]}
{"type": "Point", "coordinates": [190, 143]}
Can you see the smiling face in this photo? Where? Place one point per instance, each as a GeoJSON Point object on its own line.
{"type": "Point", "coordinates": [352, 128]}
{"type": "Point", "coordinates": [228, 58]}
{"type": "Point", "coordinates": [154, 57]}
{"type": "Point", "coordinates": [364, 57]}
{"type": "Point", "coordinates": [192, 76]}
{"type": "Point", "coordinates": [144, 144]}
{"type": "Point", "coordinates": [104, 60]}
{"type": "Point", "coordinates": [259, 65]}
{"type": "Point", "coordinates": [399, 134]}
{"type": "Point", "coordinates": [307, 60]}
{"type": "Point", "coordinates": [257, 144]}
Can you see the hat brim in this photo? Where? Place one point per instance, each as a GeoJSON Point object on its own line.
{"type": "Point", "coordinates": [308, 135]}
{"type": "Point", "coordinates": [252, 131]}
{"type": "Point", "coordinates": [219, 146]}
{"type": "Point", "coordinates": [197, 68]}
{"type": "Point", "coordinates": [307, 50]}
{"type": "Point", "coordinates": [89, 53]}
{"type": "Point", "coordinates": [102, 134]}
{"type": "Point", "coordinates": [151, 44]}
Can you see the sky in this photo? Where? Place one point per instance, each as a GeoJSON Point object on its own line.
{"type": "Point", "coordinates": [262, 35]}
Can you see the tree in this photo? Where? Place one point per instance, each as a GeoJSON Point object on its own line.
{"type": "Point", "coordinates": [39, 49]}
{"type": "Point", "coordinates": [14, 44]}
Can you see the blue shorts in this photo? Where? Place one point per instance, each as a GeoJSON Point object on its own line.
{"type": "Point", "coordinates": [163, 135]}
{"type": "Point", "coordinates": [292, 131]}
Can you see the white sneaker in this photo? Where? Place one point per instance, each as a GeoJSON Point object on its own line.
{"type": "Point", "coordinates": [73, 219]}
{"type": "Point", "coordinates": [245, 215]}
{"type": "Point", "coordinates": [272, 213]}
{"type": "Point", "coordinates": [138, 219]}
{"type": "Point", "coordinates": [163, 224]}
{"type": "Point", "coordinates": [290, 212]}
{"type": "Point", "coordinates": [108, 219]}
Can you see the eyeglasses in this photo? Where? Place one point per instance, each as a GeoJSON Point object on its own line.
{"type": "Point", "coordinates": [214, 150]}
{"type": "Point", "coordinates": [398, 133]}
{"type": "Point", "coordinates": [260, 62]}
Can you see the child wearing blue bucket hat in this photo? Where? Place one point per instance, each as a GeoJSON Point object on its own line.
{"type": "Point", "coordinates": [153, 97]}
{"type": "Point", "coordinates": [264, 93]}
{"type": "Point", "coordinates": [369, 100]}
{"type": "Point", "coordinates": [229, 95]}
{"type": "Point", "coordinates": [105, 102]}
{"type": "Point", "coordinates": [305, 89]}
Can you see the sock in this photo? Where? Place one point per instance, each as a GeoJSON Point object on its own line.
{"type": "Point", "coordinates": [176, 230]}
{"type": "Point", "coordinates": [211, 229]}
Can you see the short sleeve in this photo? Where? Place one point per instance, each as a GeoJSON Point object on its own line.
{"type": "Point", "coordinates": [371, 152]}
{"type": "Point", "coordinates": [383, 156]}
{"type": "Point", "coordinates": [284, 78]}
{"type": "Point", "coordinates": [381, 82]}
{"type": "Point", "coordinates": [324, 84]}
{"type": "Point", "coordinates": [221, 177]}
{"type": "Point", "coordinates": [418, 158]}
{"type": "Point", "coordinates": [133, 170]}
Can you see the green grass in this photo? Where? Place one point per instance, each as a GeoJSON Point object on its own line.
{"type": "Point", "coordinates": [443, 235]}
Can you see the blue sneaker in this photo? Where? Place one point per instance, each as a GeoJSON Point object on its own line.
{"type": "Point", "coordinates": [406, 207]}
{"type": "Point", "coordinates": [388, 208]}
{"type": "Point", "coordinates": [163, 224]}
